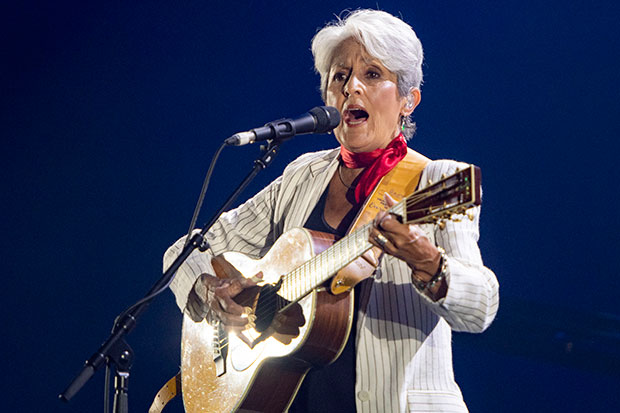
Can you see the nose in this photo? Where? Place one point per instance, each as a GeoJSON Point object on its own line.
{"type": "Point", "coordinates": [352, 86]}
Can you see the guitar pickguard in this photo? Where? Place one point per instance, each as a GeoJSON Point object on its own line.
{"type": "Point", "coordinates": [242, 356]}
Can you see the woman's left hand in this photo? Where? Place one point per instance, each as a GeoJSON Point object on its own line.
{"type": "Point", "coordinates": [407, 242]}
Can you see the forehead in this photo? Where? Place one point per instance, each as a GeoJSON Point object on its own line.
{"type": "Point", "coordinates": [350, 51]}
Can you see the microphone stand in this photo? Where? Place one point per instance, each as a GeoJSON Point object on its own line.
{"type": "Point", "coordinates": [115, 350]}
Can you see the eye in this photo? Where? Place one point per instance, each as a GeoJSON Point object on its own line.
{"type": "Point", "coordinates": [373, 74]}
{"type": "Point", "coordinates": [339, 76]}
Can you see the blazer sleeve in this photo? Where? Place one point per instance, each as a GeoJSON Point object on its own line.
{"type": "Point", "coordinates": [472, 299]}
{"type": "Point", "coordinates": [249, 229]}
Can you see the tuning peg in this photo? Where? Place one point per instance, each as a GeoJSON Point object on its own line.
{"type": "Point", "coordinates": [442, 224]}
{"type": "Point", "coordinates": [470, 215]}
{"type": "Point", "coordinates": [430, 182]}
{"type": "Point", "coordinates": [456, 219]}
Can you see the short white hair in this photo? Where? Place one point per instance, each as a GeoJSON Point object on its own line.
{"type": "Point", "coordinates": [385, 37]}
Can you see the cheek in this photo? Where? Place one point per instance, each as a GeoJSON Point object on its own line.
{"type": "Point", "coordinates": [387, 94]}
{"type": "Point", "coordinates": [331, 99]}
{"type": "Point", "coordinates": [388, 100]}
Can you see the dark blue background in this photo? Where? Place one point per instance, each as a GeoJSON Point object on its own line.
{"type": "Point", "coordinates": [111, 111]}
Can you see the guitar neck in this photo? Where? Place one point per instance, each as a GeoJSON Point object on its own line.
{"type": "Point", "coordinates": [453, 194]}
{"type": "Point", "coordinates": [298, 283]}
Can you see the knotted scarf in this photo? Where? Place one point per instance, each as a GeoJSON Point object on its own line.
{"type": "Point", "coordinates": [377, 163]}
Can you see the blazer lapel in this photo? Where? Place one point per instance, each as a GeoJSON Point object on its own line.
{"type": "Point", "coordinates": [310, 190]}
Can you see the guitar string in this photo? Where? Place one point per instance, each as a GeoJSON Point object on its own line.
{"type": "Point", "coordinates": [296, 277]}
{"type": "Point", "coordinates": [303, 285]}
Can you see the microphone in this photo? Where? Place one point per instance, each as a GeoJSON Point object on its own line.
{"type": "Point", "coordinates": [320, 119]}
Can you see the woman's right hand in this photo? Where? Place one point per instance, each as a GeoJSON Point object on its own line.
{"type": "Point", "coordinates": [212, 299]}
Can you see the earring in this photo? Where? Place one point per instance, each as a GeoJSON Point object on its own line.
{"type": "Point", "coordinates": [402, 123]}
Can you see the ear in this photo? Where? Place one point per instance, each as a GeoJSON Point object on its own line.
{"type": "Point", "coordinates": [411, 101]}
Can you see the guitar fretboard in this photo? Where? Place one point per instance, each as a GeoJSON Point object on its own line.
{"type": "Point", "coordinates": [439, 201]}
{"type": "Point", "coordinates": [299, 282]}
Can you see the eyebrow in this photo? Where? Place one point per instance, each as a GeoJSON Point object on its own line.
{"type": "Point", "coordinates": [367, 60]}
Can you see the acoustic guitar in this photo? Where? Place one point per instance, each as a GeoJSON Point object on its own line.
{"type": "Point", "coordinates": [297, 320]}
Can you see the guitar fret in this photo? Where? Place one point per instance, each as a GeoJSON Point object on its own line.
{"type": "Point", "coordinates": [451, 195]}
{"type": "Point", "coordinates": [349, 248]}
{"type": "Point", "coordinates": [309, 276]}
{"type": "Point", "coordinates": [321, 267]}
{"type": "Point", "coordinates": [338, 253]}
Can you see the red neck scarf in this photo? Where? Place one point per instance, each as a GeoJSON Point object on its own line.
{"type": "Point", "coordinates": [377, 163]}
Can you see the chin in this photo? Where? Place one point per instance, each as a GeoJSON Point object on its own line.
{"type": "Point", "coordinates": [361, 148]}
{"type": "Point", "coordinates": [363, 143]}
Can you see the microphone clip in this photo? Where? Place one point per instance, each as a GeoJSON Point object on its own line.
{"type": "Point", "coordinates": [281, 134]}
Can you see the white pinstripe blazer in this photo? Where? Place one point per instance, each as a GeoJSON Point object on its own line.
{"type": "Point", "coordinates": [404, 354]}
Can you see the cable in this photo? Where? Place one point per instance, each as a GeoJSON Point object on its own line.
{"type": "Point", "coordinates": [203, 191]}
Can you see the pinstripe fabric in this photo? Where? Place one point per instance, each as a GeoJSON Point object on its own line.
{"type": "Point", "coordinates": [404, 355]}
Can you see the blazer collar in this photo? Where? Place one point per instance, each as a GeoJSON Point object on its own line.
{"type": "Point", "coordinates": [325, 162]}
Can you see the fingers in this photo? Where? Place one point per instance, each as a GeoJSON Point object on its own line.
{"type": "Point", "coordinates": [257, 278]}
{"type": "Point", "coordinates": [391, 223]}
{"type": "Point", "coordinates": [214, 297]}
{"type": "Point", "coordinates": [387, 229]}
{"type": "Point", "coordinates": [389, 200]}
{"type": "Point", "coordinates": [224, 295]}
{"type": "Point", "coordinates": [406, 242]}
{"type": "Point", "coordinates": [376, 238]}
{"type": "Point", "coordinates": [394, 238]}
{"type": "Point", "coordinates": [380, 239]}
{"type": "Point", "coordinates": [219, 302]}
{"type": "Point", "coordinates": [231, 321]}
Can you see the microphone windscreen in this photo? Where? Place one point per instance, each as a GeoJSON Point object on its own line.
{"type": "Point", "coordinates": [327, 118]}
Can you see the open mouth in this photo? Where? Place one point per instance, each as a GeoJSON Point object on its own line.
{"type": "Point", "coordinates": [355, 116]}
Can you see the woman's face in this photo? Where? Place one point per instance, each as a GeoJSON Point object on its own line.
{"type": "Point", "coordinates": [366, 94]}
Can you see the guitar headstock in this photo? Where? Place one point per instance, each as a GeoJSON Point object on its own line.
{"type": "Point", "coordinates": [452, 195]}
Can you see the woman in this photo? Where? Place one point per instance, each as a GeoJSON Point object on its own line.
{"type": "Point", "coordinates": [399, 355]}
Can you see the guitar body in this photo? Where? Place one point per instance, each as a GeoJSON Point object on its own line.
{"type": "Point", "coordinates": [266, 377]}
{"type": "Point", "coordinates": [296, 323]}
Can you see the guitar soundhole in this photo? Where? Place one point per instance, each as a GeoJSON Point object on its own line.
{"type": "Point", "coordinates": [269, 302]}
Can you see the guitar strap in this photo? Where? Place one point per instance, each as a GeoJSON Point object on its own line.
{"type": "Point", "coordinates": [401, 181]}
{"type": "Point", "coordinates": [168, 392]}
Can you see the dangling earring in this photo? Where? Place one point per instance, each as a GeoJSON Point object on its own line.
{"type": "Point", "coordinates": [402, 123]}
